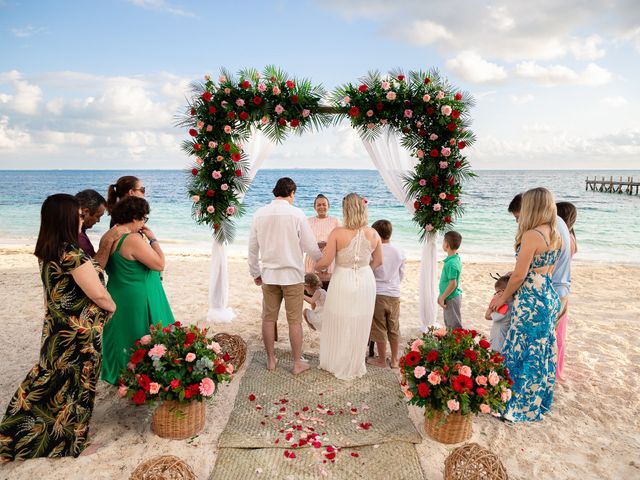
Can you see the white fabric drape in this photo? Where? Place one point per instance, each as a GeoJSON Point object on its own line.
{"type": "Point", "coordinates": [394, 162]}
{"type": "Point", "coordinates": [257, 148]}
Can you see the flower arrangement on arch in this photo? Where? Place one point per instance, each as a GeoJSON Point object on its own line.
{"type": "Point", "coordinates": [177, 363]}
{"type": "Point", "coordinates": [454, 372]}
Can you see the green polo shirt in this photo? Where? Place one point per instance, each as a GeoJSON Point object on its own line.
{"type": "Point", "coordinates": [451, 270]}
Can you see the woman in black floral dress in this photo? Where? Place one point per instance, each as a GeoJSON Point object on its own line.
{"type": "Point", "coordinates": [49, 414]}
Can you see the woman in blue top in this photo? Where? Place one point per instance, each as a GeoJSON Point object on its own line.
{"type": "Point", "coordinates": [530, 346]}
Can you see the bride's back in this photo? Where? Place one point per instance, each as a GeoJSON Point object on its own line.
{"type": "Point", "coordinates": [354, 246]}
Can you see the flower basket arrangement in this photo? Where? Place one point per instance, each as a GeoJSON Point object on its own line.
{"type": "Point", "coordinates": [454, 375]}
{"type": "Point", "coordinates": [180, 366]}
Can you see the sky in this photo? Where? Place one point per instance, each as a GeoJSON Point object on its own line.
{"type": "Point", "coordinates": [97, 85]}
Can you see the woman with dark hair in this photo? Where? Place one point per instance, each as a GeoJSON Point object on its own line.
{"type": "Point", "coordinates": [124, 187]}
{"type": "Point", "coordinates": [321, 225]}
{"type": "Point", "coordinates": [134, 282]}
{"type": "Point", "coordinates": [49, 414]}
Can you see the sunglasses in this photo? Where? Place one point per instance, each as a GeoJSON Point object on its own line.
{"type": "Point", "coordinates": [145, 219]}
{"type": "Point", "coordinates": [141, 189]}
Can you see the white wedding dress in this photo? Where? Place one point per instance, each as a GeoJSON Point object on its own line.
{"type": "Point", "coordinates": [348, 311]}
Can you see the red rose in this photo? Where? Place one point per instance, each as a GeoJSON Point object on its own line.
{"type": "Point", "coordinates": [235, 157]}
{"type": "Point", "coordinates": [407, 103]}
{"type": "Point", "coordinates": [481, 391]}
{"type": "Point", "coordinates": [290, 84]}
{"type": "Point", "coordinates": [294, 123]}
{"type": "Point", "coordinates": [416, 205]}
{"type": "Point", "coordinates": [194, 171]}
{"type": "Point", "coordinates": [363, 88]}
{"type": "Point", "coordinates": [220, 369]}
{"type": "Point", "coordinates": [226, 357]}
{"type": "Point", "coordinates": [461, 145]}
{"type": "Point", "coordinates": [144, 381]}
{"type": "Point", "coordinates": [187, 393]}
{"type": "Point", "coordinates": [422, 132]}
{"type": "Point", "coordinates": [175, 383]}
{"type": "Point", "coordinates": [455, 114]}
{"type": "Point", "coordinates": [212, 109]}
{"type": "Point", "coordinates": [257, 100]}
{"type": "Point", "coordinates": [193, 111]}
{"type": "Point", "coordinates": [210, 193]}
{"type": "Point", "coordinates": [458, 96]}
{"type": "Point", "coordinates": [139, 397]}
{"type": "Point", "coordinates": [231, 115]}
{"type": "Point", "coordinates": [451, 181]}
{"type": "Point", "coordinates": [177, 324]}
{"type": "Point", "coordinates": [244, 115]}
{"type": "Point", "coordinates": [166, 329]}
{"type": "Point", "coordinates": [226, 147]}
{"type": "Point", "coordinates": [294, 98]}
{"type": "Point", "coordinates": [430, 111]}
{"type": "Point", "coordinates": [379, 106]}
{"type": "Point", "coordinates": [471, 355]}
{"type": "Point", "coordinates": [252, 397]}
{"type": "Point", "coordinates": [432, 356]}
{"type": "Point", "coordinates": [425, 199]}
{"type": "Point", "coordinates": [282, 122]}
{"type": "Point", "coordinates": [427, 81]}
{"type": "Point", "coordinates": [451, 126]}
{"type": "Point", "coordinates": [458, 164]}
{"type": "Point", "coordinates": [401, 77]}
{"type": "Point", "coordinates": [435, 180]}
{"type": "Point", "coordinates": [484, 344]}
{"type": "Point", "coordinates": [448, 219]}
{"type": "Point", "coordinates": [189, 339]}
{"type": "Point", "coordinates": [451, 197]}
{"type": "Point", "coordinates": [423, 390]}
{"type": "Point", "coordinates": [206, 96]}
{"type": "Point", "coordinates": [177, 361]}
{"type": "Point", "coordinates": [238, 173]}
{"type": "Point", "coordinates": [245, 84]}
{"type": "Point", "coordinates": [196, 147]}
{"type": "Point", "coordinates": [354, 111]}
{"type": "Point", "coordinates": [434, 152]}
{"type": "Point", "coordinates": [138, 355]}
{"type": "Point", "coordinates": [137, 343]}
{"type": "Point", "coordinates": [412, 358]}
{"type": "Point", "coordinates": [193, 132]}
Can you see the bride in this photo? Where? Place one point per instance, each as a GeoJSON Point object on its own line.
{"type": "Point", "coordinates": [348, 308]}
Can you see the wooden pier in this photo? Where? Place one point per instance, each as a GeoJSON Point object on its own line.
{"type": "Point", "coordinates": [628, 186]}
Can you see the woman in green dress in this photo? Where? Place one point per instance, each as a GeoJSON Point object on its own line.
{"type": "Point", "coordinates": [134, 283]}
{"type": "Point", "coordinates": [49, 414]}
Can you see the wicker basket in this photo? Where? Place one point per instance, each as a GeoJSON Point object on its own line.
{"type": "Point", "coordinates": [178, 420]}
{"type": "Point", "coordinates": [452, 428]}
{"type": "Point", "coordinates": [473, 462]}
{"type": "Point", "coordinates": [165, 467]}
{"type": "Point", "coordinates": [235, 346]}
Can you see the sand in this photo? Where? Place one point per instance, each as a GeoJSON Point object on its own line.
{"type": "Point", "coordinates": [593, 431]}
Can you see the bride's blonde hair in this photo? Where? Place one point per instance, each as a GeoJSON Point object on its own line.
{"type": "Point", "coordinates": [538, 208]}
{"type": "Point", "coordinates": [354, 211]}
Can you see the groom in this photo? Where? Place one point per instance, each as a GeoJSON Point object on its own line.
{"type": "Point", "coordinates": [279, 235]}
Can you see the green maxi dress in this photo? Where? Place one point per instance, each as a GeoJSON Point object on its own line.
{"type": "Point", "coordinates": [140, 302]}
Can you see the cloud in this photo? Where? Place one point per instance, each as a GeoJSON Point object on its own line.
{"type": "Point", "coordinates": [26, 96]}
{"type": "Point", "coordinates": [552, 75]}
{"type": "Point", "coordinates": [425, 32]}
{"type": "Point", "coordinates": [11, 138]}
{"type": "Point", "coordinates": [614, 102]}
{"type": "Point", "coordinates": [26, 32]}
{"type": "Point", "coordinates": [587, 48]}
{"type": "Point", "coordinates": [162, 6]}
{"type": "Point", "coordinates": [521, 99]}
{"type": "Point", "coordinates": [473, 68]}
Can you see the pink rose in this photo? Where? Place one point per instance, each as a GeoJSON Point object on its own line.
{"type": "Point", "coordinates": [154, 388]}
{"type": "Point", "coordinates": [209, 128]}
{"type": "Point", "coordinates": [408, 113]}
{"type": "Point", "coordinates": [146, 340]}
{"type": "Point", "coordinates": [371, 125]}
{"type": "Point", "coordinates": [494, 378]}
{"type": "Point", "coordinates": [190, 357]}
{"type": "Point", "coordinates": [227, 90]}
{"type": "Point", "coordinates": [207, 387]}
{"type": "Point", "coordinates": [505, 395]}
{"type": "Point", "coordinates": [198, 160]}
{"type": "Point", "coordinates": [446, 110]}
{"type": "Point", "coordinates": [422, 181]}
{"type": "Point", "coordinates": [484, 408]}
{"type": "Point", "coordinates": [200, 124]}
{"type": "Point", "coordinates": [444, 164]}
{"type": "Point", "coordinates": [465, 370]}
{"type": "Point", "coordinates": [215, 346]}
{"type": "Point", "coordinates": [481, 380]}
{"type": "Point", "coordinates": [131, 366]}
{"type": "Point", "coordinates": [122, 391]}
{"type": "Point", "coordinates": [440, 95]}
{"type": "Point", "coordinates": [407, 392]}
{"type": "Point", "coordinates": [433, 137]}
{"type": "Point", "coordinates": [195, 198]}
{"type": "Point", "coordinates": [453, 405]}
{"type": "Point", "coordinates": [230, 368]}
{"type": "Point", "coordinates": [420, 154]}
{"type": "Point", "coordinates": [157, 351]}
{"type": "Point", "coordinates": [346, 100]}
{"type": "Point", "coordinates": [452, 141]}
{"type": "Point", "coordinates": [442, 195]}
{"type": "Point", "coordinates": [222, 79]}
{"type": "Point", "coordinates": [441, 332]}
{"type": "Point", "coordinates": [216, 174]}
{"type": "Point", "coordinates": [210, 209]}
{"type": "Point", "coordinates": [369, 113]}
{"type": "Point", "coordinates": [212, 144]}
{"type": "Point", "coordinates": [262, 87]}
{"type": "Point", "coordinates": [434, 378]}
{"type": "Point", "coordinates": [426, 98]}
{"type": "Point", "coordinates": [230, 210]}
{"type": "Point", "coordinates": [240, 102]}
{"type": "Point", "coordinates": [437, 207]}
{"type": "Point", "coordinates": [264, 120]}
{"type": "Point", "coordinates": [391, 95]}
{"type": "Point", "coordinates": [279, 109]}
{"type": "Point", "coordinates": [227, 129]}
{"type": "Point", "coordinates": [416, 345]}
{"type": "Point", "coordinates": [306, 112]}
{"type": "Point", "coordinates": [428, 227]}
{"type": "Point", "coordinates": [223, 103]}
{"type": "Point", "coordinates": [419, 371]}
{"type": "Point", "coordinates": [446, 151]}
{"type": "Point", "coordinates": [224, 187]}
{"type": "Point", "coordinates": [219, 158]}
{"type": "Point", "coordinates": [275, 90]}
{"type": "Point", "coordinates": [385, 85]}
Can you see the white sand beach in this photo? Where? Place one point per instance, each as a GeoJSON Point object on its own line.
{"type": "Point", "coordinates": [592, 433]}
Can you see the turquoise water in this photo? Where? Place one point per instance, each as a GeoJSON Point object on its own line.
{"type": "Point", "coordinates": [607, 228]}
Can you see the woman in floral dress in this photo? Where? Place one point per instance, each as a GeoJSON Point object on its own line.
{"type": "Point", "coordinates": [530, 346]}
{"type": "Point", "coordinates": [49, 414]}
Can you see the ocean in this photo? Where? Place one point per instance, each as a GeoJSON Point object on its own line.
{"type": "Point", "coordinates": [607, 227]}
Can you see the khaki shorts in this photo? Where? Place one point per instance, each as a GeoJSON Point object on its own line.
{"type": "Point", "coordinates": [272, 296]}
{"type": "Point", "coordinates": [386, 320]}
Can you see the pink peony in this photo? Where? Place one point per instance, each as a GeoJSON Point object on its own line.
{"type": "Point", "coordinates": [441, 332]}
{"type": "Point", "coordinates": [157, 351]}
{"type": "Point", "coordinates": [279, 109]}
{"type": "Point", "coordinates": [444, 164]}
{"type": "Point", "coordinates": [122, 391]}
{"type": "Point", "coordinates": [420, 154]}
{"type": "Point", "coordinates": [433, 137]}
{"type": "Point", "coordinates": [210, 209]}
{"type": "Point", "coordinates": [385, 85]}
{"type": "Point", "coordinates": [240, 102]}
{"type": "Point", "coordinates": [446, 151]}
{"type": "Point", "coordinates": [391, 95]}
{"type": "Point", "coordinates": [446, 110]}
{"type": "Point", "coordinates": [434, 378]}
{"type": "Point", "coordinates": [408, 113]}
{"type": "Point", "coordinates": [276, 90]}
{"type": "Point", "coordinates": [426, 98]}
{"type": "Point", "coordinates": [481, 380]}
{"type": "Point", "coordinates": [224, 187]}
{"type": "Point", "coordinates": [190, 357]}
{"type": "Point", "coordinates": [207, 387]}
{"type": "Point", "coordinates": [231, 210]}
{"type": "Point", "coordinates": [227, 129]}
{"type": "Point", "coordinates": [195, 198]}
{"type": "Point", "coordinates": [216, 174]}
{"type": "Point", "coordinates": [442, 195]}
{"type": "Point", "coordinates": [419, 371]}
{"type": "Point", "coordinates": [494, 378]}
{"type": "Point", "coordinates": [416, 345]}
{"type": "Point", "coordinates": [154, 388]}
{"type": "Point", "coordinates": [422, 182]}
{"type": "Point", "coordinates": [215, 346]}
{"type": "Point", "coordinates": [306, 112]}
{"type": "Point", "coordinates": [440, 95]}
{"type": "Point", "coordinates": [437, 207]}
{"type": "Point", "coordinates": [484, 408]}
{"type": "Point", "coordinates": [465, 370]}
{"type": "Point", "coordinates": [453, 405]}
{"type": "Point", "coordinates": [428, 227]}
{"type": "Point", "coordinates": [146, 340]}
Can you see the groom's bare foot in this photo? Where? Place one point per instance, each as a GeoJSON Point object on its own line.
{"type": "Point", "coordinates": [271, 363]}
{"type": "Point", "coordinates": [377, 362]}
{"type": "Point", "coordinates": [299, 367]}
{"type": "Point", "coordinates": [395, 364]}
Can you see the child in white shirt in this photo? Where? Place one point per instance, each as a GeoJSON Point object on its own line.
{"type": "Point", "coordinates": [313, 285]}
{"type": "Point", "coordinates": [501, 320]}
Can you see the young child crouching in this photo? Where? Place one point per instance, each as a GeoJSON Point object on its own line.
{"type": "Point", "coordinates": [502, 318]}
{"type": "Point", "coordinates": [313, 285]}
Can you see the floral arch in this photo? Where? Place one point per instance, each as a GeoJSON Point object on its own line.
{"type": "Point", "coordinates": [420, 112]}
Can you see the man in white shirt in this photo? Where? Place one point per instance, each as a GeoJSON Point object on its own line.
{"type": "Point", "coordinates": [280, 234]}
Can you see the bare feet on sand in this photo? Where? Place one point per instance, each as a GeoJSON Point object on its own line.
{"type": "Point", "coordinates": [395, 364]}
{"type": "Point", "coordinates": [271, 363]}
{"type": "Point", "coordinates": [299, 367]}
{"type": "Point", "coordinates": [377, 362]}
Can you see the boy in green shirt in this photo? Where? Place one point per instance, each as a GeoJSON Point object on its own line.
{"type": "Point", "coordinates": [450, 298]}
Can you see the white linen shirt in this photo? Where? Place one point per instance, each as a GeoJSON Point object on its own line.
{"type": "Point", "coordinates": [389, 275]}
{"type": "Point", "coordinates": [280, 234]}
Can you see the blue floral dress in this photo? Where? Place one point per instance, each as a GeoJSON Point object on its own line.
{"type": "Point", "coordinates": [530, 346]}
